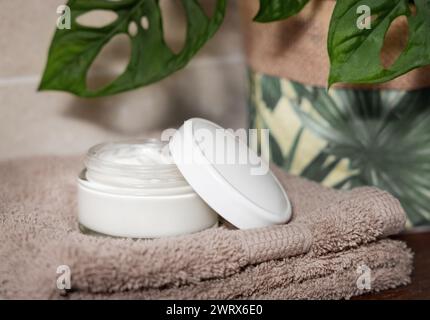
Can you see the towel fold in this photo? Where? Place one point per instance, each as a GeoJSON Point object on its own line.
{"type": "Point", "coordinates": [313, 256]}
{"type": "Point", "coordinates": [335, 276]}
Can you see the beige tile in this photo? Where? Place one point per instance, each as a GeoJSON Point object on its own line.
{"type": "Point", "coordinates": [37, 123]}
{"type": "Point", "coordinates": [58, 123]}
{"type": "Point", "coordinates": [26, 28]}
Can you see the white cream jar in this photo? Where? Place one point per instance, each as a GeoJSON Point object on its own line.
{"type": "Point", "coordinates": [151, 189]}
{"type": "Point", "coordinates": [133, 189]}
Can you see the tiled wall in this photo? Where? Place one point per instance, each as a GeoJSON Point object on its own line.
{"type": "Point", "coordinates": [31, 122]}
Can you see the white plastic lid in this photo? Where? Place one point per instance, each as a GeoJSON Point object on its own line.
{"type": "Point", "coordinates": [229, 176]}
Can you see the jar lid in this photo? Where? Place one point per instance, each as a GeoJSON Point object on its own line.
{"type": "Point", "coordinates": [228, 175]}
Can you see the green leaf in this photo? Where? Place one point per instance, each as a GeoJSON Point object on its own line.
{"type": "Point", "coordinates": [73, 51]}
{"type": "Point", "coordinates": [276, 152]}
{"type": "Point", "coordinates": [345, 183]}
{"type": "Point", "coordinates": [355, 53]}
{"type": "Point", "coordinates": [252, 108]}
{"type": "Point", "coordinates": [293, 150]}
{"type": "Point", "coordinates": [322, 129]}
{"type": "Point", "coordinates": [320, 167]}
{"type": "Point", "coordinates": [322, 103]}
{"type": "Point", "coordinates": [273, 10]}
{"type": "Point", "coordinates": [271, 91]}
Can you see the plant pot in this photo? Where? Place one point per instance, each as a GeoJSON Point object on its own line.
{"type": "Point", "coordinates": [349, 136]}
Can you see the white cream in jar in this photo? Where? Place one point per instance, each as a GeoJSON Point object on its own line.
{"type": "Point", "coordinates": [133, 189]}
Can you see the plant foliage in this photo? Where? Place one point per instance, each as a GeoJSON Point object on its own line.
{"type": "Point", "coordinates": [354, 52]}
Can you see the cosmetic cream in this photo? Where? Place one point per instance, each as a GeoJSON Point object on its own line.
{"type": "Point", "coordinates": [151, 189]}
{"type": "Point", "coordinates": [133, 189]}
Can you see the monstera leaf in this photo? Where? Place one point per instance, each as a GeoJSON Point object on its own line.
{"type": "Point", "coordinates": [355, 53]}
{"type": "Point", "coordinates": [273, 10]}
{"type": "Point", "coordinates": [73, 51]}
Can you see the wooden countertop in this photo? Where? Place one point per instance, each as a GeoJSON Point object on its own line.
{"type": "Point", "coordinates": [420, 285]}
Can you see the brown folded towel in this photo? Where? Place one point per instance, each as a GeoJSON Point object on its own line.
{"type": "Point", "coordinates": [304, 277]}
{"type": "Point", "coordinates": [326, 238]}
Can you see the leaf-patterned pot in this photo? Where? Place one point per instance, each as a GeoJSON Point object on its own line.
{"type": "Point", "coordinates": [348, 136]}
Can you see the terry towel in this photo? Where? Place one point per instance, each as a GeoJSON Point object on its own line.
{"type": "Point", "coordinates": [333, 237]}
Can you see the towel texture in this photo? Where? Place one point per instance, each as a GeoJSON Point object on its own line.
{"type": "Point", "coordinates": [316, 255]}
